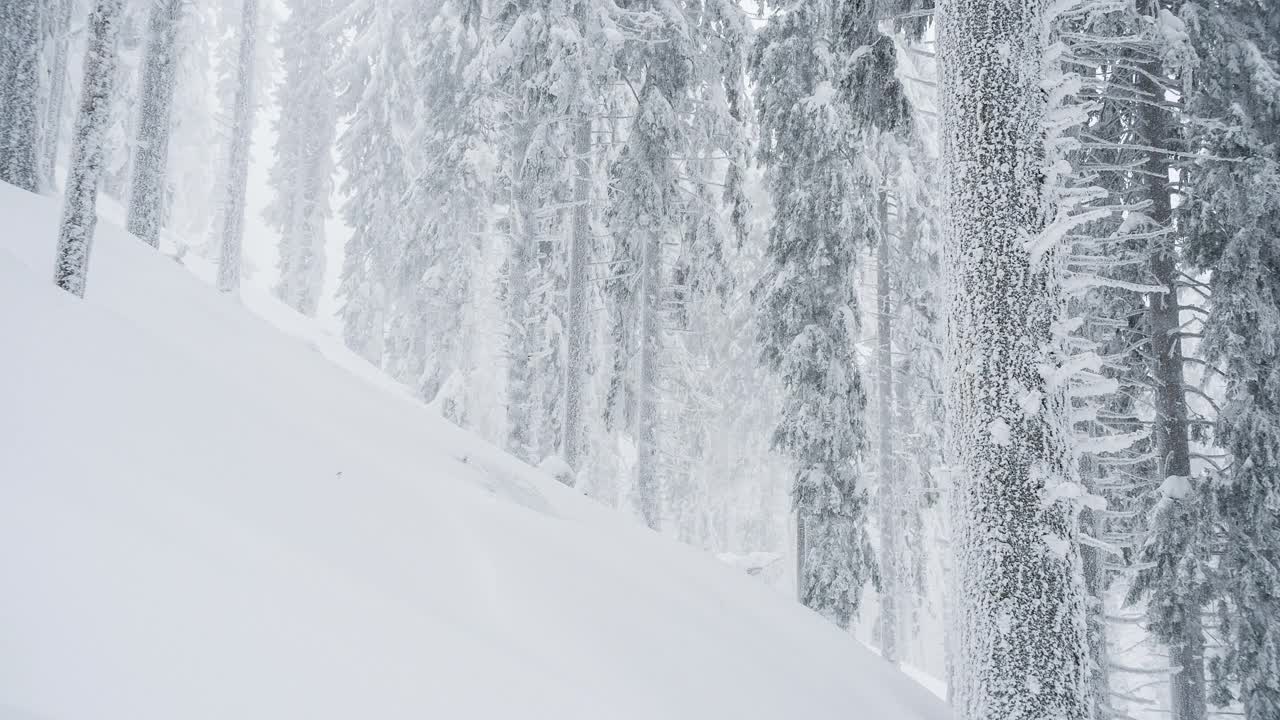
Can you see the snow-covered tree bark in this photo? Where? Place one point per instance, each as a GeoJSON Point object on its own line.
{"type": "Point", "coordinates": [1020, 635]}
{"type": "Point", "coordinates": [238, 166]}
{"type": "Point", "coordinates": [302, 176]}
{"type": "Point", "coordinates": [889, 499]}
{"type": "Point", "coordinates": [22, 40]}
{"type": "Point", "coordinates": [79, 213]}
{"type": "Point", "coordinates": [522, 275]}
{"type": "Point", "coordinates": [147, 191]}
{"type": "Point", "coordinates": [577, 313]}
{"type": "Point", "coordinates": [648, 484]}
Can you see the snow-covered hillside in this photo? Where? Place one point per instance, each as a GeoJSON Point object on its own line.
{"type": "Point", "coordinates": [205, 515]}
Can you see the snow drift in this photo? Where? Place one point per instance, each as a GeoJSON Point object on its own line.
{"type": "Point", "coordinates": [205, 513]}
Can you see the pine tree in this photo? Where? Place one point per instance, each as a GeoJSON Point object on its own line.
{"type": "Point", "coordinates": [147, 192]}
{"type": "Point", "coordinates": [810, 112]}
{"type": "Point", "coordinates": [685, 68]}
{"type": "Point", "coordinates": [1233, 222]}
{"type": "Point", "coordinates": [445, 101]}
{"type": "Point", "coordinates": [302, 175]}
{"type": "Point", "coordinates": [79, 214]}
{"type": "Point", "coordinates": [376, 182]}
{"type": "Point", "coordinates": [238, 161]}
{"type": "Point", "coordinates": [529, 66]}
{"type": "Point", "coordinates": [548, 66]}
{"type": "Point", "coordinates": [1020, 642]}
{"type": "Point", "coordinates": [22, 40]}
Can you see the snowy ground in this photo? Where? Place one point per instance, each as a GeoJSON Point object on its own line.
{"type": "Point", "coordinates": [212, 513]}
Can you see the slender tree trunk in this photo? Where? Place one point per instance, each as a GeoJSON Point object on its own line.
{"type": "Point", "coordinates": [151, 146]}
{"type": "Point", "coordinates": [800, 551]}
{"type": "Point", "coordinates": [1187, 684]}
{"type": "Point", "coordinates": [79, 213]}
{"type": "Point", "coordinates": [241, 139]}
{"type": "Point", "coordinates": [61, 27]}
{"type": "Point", "coordinates": [520, 270]}
{"type": "Point", "coordinates": [647, 454]}
{"type": "Point", "coordinates": [23, 37]}
{"type": "Point", "coordinates": [890, 513]}
{"type": "Point", "coordinates": [576, 352]}
{"type": "Point", "coordinates": [1093, 562]}
{"type": "Point", "coordinates": [1021, 640]}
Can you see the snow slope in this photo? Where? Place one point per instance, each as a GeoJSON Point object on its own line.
{"type": "Point", "coordinates": [204, 516]}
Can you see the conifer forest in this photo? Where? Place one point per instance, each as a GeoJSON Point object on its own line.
{"type": "Point", "coordinates": [679, 359]}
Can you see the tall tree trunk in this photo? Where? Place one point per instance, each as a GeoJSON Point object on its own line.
{"type": "Point", "coordinates": [61, 36]}
{"type": "Point", "coordinates": [800, 551]}
{"type": "Point", "coordinates": [22, 38]}
{"type": "Point", "coordinates": [520, 271]}
{"type": "Point", "coordinates": [1173, 450]}
{"type": "Point", "coordinates": [1021, 639]}
{"type": "Point", "coordinates": [647, 420]}
{"type": "Point", "coordinates": [151, 146]}
{"type": "Point", "coordinates": [241, 139]}
{"type": "Point", "coordinates": [576, 351]}
{"type": "Point", "coordinates": [1093, 560]}
{"type": "Point", "coordinates": [79, 213]}
{"type": "Point", "coordinates": [890, 520]}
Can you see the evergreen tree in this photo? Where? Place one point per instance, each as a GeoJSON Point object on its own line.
{"type": "Point", "coordinates": [1136, 311]}
{"type": "Point", "coordinates": [451, 150]}
{"type": "Point", "coordinates": [302, 175]}
{"type": "Point", "coordinates": [22, 40]}
{"type": "Point", "coordinates": [1233, 226]}
{"type": "Point", "coordinates": [147, 194]}
{"type": "Point", "coordinates": [79, 214]}
{"type": "Point", "coordinates": [809, 112]}
{"type": "Point", "coordinates": [685, 67]}
{"type": "Point", "coordinates": [549, 60]}
{"type": "Point", "coordinates": [530, 65]}
{"type": "Point", "coordinates": [376, 181]}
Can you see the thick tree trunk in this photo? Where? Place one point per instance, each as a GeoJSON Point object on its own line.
{"type": "Point", "coordinates": [1021, 638]}
{"type": "Point", "coordinates": [23, 36]}
{"type": "Point", "coordinates": [238, 167]}
{"type": "Point", "coordinates": [151, 146]}
{"type": "Point", "coordinates": [890, 501]}
{"type": "Point", "coordinates": [79, 213]}
{"type": "Point", "coordinates": [576, 332]}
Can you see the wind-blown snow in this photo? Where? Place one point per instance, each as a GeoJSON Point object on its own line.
{"type": "Point", "coordinates": [202, 516]}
